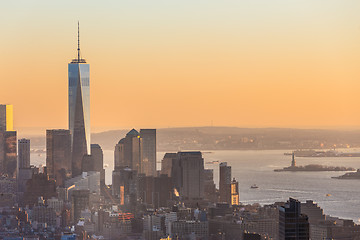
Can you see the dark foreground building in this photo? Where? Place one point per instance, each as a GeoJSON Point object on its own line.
{"type": "Point", "coordinates": [58, 155]}
{"type": "Point", "coordinates": [292, 224]}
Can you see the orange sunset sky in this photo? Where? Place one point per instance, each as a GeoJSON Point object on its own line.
{"type": "Point", "coordinates": [246, 63]}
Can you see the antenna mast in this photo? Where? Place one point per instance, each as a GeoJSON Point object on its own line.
{"type": "Point", "coordinates": [78, 42]}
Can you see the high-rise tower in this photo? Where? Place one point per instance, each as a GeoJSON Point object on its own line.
{"type": "Point", "coordinates": [225, 182]}
{"type": "Point", "coordinates": [58, 155]}
{"type": "Point", "coordinates": [293, 224]}
{"type": "Point", "coordinates": [24, 153]}
{"type": "Point", "coordinates": [148, 151]}
{"type": "Point", "coordinates": [6, 117]}
{"type": "Point", "coordinates": [8, 158]}
{"type": "Point", "coordinates": [79, 109]}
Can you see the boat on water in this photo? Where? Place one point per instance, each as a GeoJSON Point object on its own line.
{"type": "Point", "coordinates": [254, 186]}
{"type": "Point", "coordinates": [328, 195]}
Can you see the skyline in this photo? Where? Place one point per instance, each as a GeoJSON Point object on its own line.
{"type": "Point", "coordinates": [157, 64]}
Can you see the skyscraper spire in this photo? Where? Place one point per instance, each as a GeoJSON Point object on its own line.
{"type": "Point", "coordinates": [78, 59]}
{"type": "Point", "coordinates": [78, 49]}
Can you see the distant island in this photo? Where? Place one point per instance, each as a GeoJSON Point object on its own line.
{"type": "Point", "coordinates": [330, 153]}
{"type": "Point", "coordinates": [315, 168]}
{"type": "Point", "coordinates": [213, 138]}
{"type": "Point", "coordinates": [312, 167]}
{"type": "Point", "coordinates": [351, 175]}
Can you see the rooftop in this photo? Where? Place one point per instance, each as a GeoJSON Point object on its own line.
{"type": "Point", "coordinates": [133, 132]}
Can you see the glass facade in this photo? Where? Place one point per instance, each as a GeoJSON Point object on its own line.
{"type": "Point", "coordinates": [10, 162]}
{"type": "Point", "coordinates": [79, 112]}
{"type": "Point", "coordinates": [148, 162]}
{"type": "Point", "coordinates": [58, 155]}
{"type": "Point", "coordinates": [6, 118]}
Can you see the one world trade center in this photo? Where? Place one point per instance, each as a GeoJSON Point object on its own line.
{"type": "Point", "coordinates": [79, 110]}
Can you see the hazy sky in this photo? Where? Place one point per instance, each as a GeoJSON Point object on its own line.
{"type": "Point", "coordinates": [247, 63]}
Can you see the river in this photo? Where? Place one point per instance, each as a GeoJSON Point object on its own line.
{"type": "Point", "coordinates": [257, 167]}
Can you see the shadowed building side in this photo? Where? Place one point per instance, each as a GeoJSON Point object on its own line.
{"type": "Point", "coordinates": [293, 224]}
{"type": "Point", "coordinates": [187, 173]}
{"type": "Point", "coordinates": [94, 163]}
{"type": "Point", "coordinates": [128, 152]}
{"type": "Point", "coordinates": [148, 137]}
{"type": "Point", "coordinates": [58, 155]}
{"type": "Point", "coordinates": [24, 153]}
{"type": "Point", "coordinates": [225, 182]}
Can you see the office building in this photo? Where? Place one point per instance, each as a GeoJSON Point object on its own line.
{"type": "Point", "coordinates": [155, 191]}
{"type": "Point", "coordinates": [225, 182]}
{"type": "Point", "coordinates": [43, 214]}
{"type": "Point", "coordinates": [6, 117]}
{"type": "Point", "coordinates": [190, 230]}
{"type": "Point", "coordinates": [40, 185]}
{"type": "Point", "coordinates": [128, 152]}
{"type": "Point", "coordinates": [95, 163]}
{"type": "Point", "coordinates": [8, 142]}
{"type": "Point", "coordinates": [119, 158]}
{"type": "Point", "coordinates": [188, 175]}
{"type": "Point", "coordinates": [98, 157]}
{"type": "Point", "coordinates": [7, 185]}
{"type": "Point", "coordinates": [24, 174]}
{"type": "Point", "coordinates": [145, 188]}
{"type": "Point", "coordinates": [7, 192]}
{"type": "Point", "coordinates": [56, 204]}
{"type": "Point", "coordinates": [209, 186]}
{"type": "Point", "coordinates": [86, 181]}
{"type": "Point", "coordinates": [221, 209]}
{"type": "Point", "coordinates": [251, 236]}
{"type": "Point", "coordinates": [293, 224]}
{"type": "Point", "coordinates": [79, 110]}
{"type": "Point", "coordinates": [24, 153]}
{"type": "Point", "coordinates": [169, 219]}
{"type": "Point", "coordinates": [79, 202]}
{"type": "Point", "coordinates": [234, 192]}
{"type": "Point", "coordinates": [153, 223]}
{"type": "Point", "coordinates": [166, 163]}
{"type": "Point", "coordinates": [313, 211]}
{"type": "Point", "coordinates": [124, 187]}
{"type": "Point", "coordinates": [148, 137]}
{"type": "Point", "coordinates": [58, 155]}
{"type": "Point", "coordinates": [8, 153]}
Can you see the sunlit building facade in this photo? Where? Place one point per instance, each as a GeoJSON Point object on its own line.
{"type": "Point", "coordinates": [8, 152]}
{"type": "Point", "coordinates": [79, 111]}
{"type": "Point", "coordinates": [6, 117]}
{"type": "Point", "coordinates": [234, 192]}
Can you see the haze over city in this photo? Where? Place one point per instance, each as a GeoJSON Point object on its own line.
{"type": "Point", "coordinates": [186, 120]}
{"type": "Point", "coordinates": [185, 63]}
